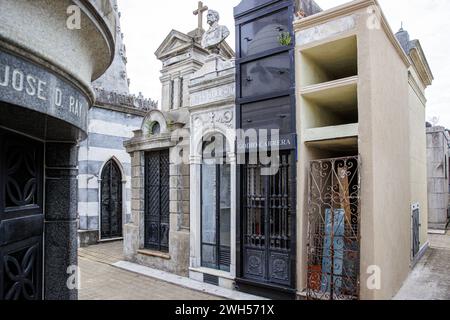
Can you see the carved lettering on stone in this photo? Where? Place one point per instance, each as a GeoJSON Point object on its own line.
{"type": "Point", "coordinates": [213, 95]}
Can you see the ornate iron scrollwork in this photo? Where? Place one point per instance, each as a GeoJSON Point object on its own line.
{"type": "Point", "coordinates": [334, 229]}
{"type": "Point", "coordinates": [19, 274]}
{"type": "Point", "coordinates": [21, 177]}
{"type": "Point", "coordinates": [268, 220]}
{"type": "Point", "coordinates": [21, 217]}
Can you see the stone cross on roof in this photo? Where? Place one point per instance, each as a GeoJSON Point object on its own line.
{"type": "Point", "coordinates": [199, 13]}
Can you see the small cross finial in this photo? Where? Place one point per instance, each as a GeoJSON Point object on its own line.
{"type": "Point", "coordinates": [199, 12]}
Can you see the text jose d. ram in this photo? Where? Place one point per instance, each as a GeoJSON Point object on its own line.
{"type": "Point", "coordinates": [26, 84]}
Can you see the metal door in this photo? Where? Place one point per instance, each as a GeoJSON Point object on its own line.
{"type": "Point", "coordinates": [415, 230]}
{"type": "Point", "coordinates": [334, 229]}
{"type": "Point", "coordinates": [111, 201]}
{"type": "Point", "coordinates": [157, 223]}
{"type": "Point", "coordinates": [269, 225]}
{"type": "Point", "coordinates": [21, 217]}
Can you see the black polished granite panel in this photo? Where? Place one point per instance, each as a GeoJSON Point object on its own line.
{"type": "Point", "coordinates": [33, 87]}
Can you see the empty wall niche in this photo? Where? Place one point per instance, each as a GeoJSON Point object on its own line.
{"type": "Point", "coordinates": [333, 148]}
{"type": "Point", "coordinates": [329, 61]}
{"type": "Point", "coordinates": [333, 103]}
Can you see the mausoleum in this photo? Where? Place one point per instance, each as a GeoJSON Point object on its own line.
{"type": "Point", "coordinates": [438, 153]}
{"type": "Point", "coordinates": [48, 61]}
{"type": "Point", "coordinates": [295, 168]}
{"type": "Point", "coordinates": [104, 177]}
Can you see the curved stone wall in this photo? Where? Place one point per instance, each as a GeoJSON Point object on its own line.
{"type": "Point", "coordinates": [44, 32]}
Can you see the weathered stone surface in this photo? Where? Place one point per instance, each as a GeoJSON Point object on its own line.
{"type": "Point", "coordinates": [45, 92]}
{"type": "Point", "coordinates": [87, 238]}
{"type": "Point", "coordinates": [326, 30]}
{"type": "Point", "coordinates": [438, 171]}
{"type": "Point", "coordinates": [216, 34]}
{"type": "Point", "coordinates": [213, 95]}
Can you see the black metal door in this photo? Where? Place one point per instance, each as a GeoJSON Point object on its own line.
{"type": "Point", "coordinates": [269, 225]}
{"type": "Point", "coordinates": [416, 230]}
{"type": "Point", "coordinates": [111, 194]}
{"type": "Point", "coordinates": [21, 217]}
{"type": "Point", "coordinates": [157, 222]}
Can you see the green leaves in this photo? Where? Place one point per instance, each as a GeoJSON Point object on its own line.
{"type": "Point", "coordinates": [285, 39]}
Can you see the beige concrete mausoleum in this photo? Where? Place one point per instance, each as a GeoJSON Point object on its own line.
{"type": "Point", "coordinates": [361, 106]}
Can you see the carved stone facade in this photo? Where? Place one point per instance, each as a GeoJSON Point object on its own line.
{"type": "Point", "coordinates": [43, 117]}
{"type": "Point", "coordinates": [104, 180]}
{"type": "Point", "coordinates": [116, 78]}
{"type": "Point", "coordinates": [438, 153]}
{"type": "Point", "coordinates": [112, 98]}
{"type": "Point", "coordinates": [182, 55]}
{"type": "Point", "coordinates": [195, 95]}
{"type": "Point", "coordinates": [212, 114]}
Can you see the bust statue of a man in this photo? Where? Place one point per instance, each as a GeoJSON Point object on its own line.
{"type": "Point", "coordinates": [216, 34]}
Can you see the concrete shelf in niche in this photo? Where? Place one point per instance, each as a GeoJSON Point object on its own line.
{"type": "Point", "coordinates": [331, 133]}
{"type": "Point", "coordinates": [333, 148]}
{"type": "Point", "coordinates": [331, 103]}
{"type": "Point", "coordinates": [329, 61]}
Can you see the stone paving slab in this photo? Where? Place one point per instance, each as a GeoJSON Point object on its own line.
{"type": "Point", "coordinates": [186, 282]}
{"type": "Point", "coordinates": [102, 281]}
{"type": "Point", "coordinates": [430, 279]}
{"type": "Point", "coordinates": [440, 241]}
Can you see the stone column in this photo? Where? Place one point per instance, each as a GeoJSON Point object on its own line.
{"type": "Point", "coordinates": [195, 216]}
{"type": "Point", "coordinates": [176, 93]}
{"type": "Point", "coordinates": [61, 188]}
{"type": "Point", "coordinates": [134, 231]}
{"type": "Point", "coordinates": [233, 164]}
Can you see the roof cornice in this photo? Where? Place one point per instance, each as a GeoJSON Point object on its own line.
{"type": "Point", "coordinates": [421, 65]}
{"type": "Point", "coordinates": [346, 9]}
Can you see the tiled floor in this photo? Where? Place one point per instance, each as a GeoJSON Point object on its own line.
{"type": "Point", "coordinates": [101, 281]}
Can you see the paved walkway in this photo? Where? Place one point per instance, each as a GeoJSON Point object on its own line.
{"type": "Point", "coordinates": [430, 279]}
{"type": "Point", "coordinates": [101, 281]}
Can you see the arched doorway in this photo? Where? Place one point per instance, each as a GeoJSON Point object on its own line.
{"type": "Point", "coordinates": [215, 203]}
{"type": "Point", "coordinates": [111, 201]}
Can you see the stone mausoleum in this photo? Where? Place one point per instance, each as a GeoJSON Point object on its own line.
{"type": "Point", "coordinates": [46, 71]}
{"type": "Point", "coordinates": [159, 232]}
{"type": "Point", "coordinates": [438, 153]}
{"type": "Point", "coordinates": [104, 177]}
{"type": "Point", "coordinates": [336, 101]}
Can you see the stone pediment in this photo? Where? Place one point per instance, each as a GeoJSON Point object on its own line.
{"type": "Point", "coordinates": [178, 44]}
{"type": "Point", "coordinates": [174, 44]}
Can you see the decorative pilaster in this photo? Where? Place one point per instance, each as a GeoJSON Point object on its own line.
{"type": "Point", "coordinates": [61, 188]}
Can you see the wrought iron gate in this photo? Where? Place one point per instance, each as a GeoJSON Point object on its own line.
{"type": "Point", "coordinates": [334, 229]}
{"type": "Point", "coordinates": [269, 225]}
{"type": "Point", "coordinates": [21, 217]}
{"type": "Point", "coordinates": [157, 222]}
{"type": "Point", "coordinates": [111, 201]}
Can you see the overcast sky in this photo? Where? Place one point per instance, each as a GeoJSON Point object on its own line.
{"type": "Point", "coordinates": [146, 23]}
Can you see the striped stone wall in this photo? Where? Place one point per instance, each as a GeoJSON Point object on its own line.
{"type": "Point", "coordinates": [108, 129]}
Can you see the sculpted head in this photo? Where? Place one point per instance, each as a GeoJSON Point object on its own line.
{"type": "Point", "coordinates": [213, 17]}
